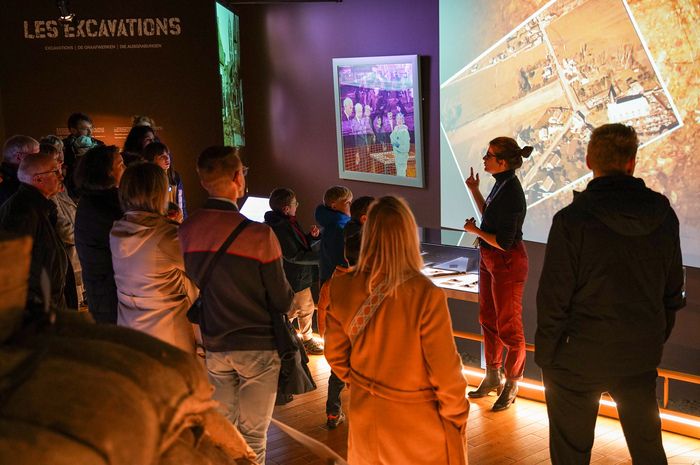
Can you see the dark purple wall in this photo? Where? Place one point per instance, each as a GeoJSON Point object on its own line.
{"type": "Point", "coordinates": [288, 86]}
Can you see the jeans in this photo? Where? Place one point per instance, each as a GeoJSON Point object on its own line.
{"type": "Point", "coordinates": [335, 387]}
{"type": "Point", "coordinates": [303, 309]}
{"type": "Point", "coordinates": [572, 407]}
{"type": "Point", "coordinates": [245, 385]}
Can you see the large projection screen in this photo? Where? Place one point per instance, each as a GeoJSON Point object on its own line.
{"type": "Point", "coordinates": [547, 73]}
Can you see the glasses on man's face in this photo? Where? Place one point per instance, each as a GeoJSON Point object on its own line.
{"type": "Point", "coordinates": [245, 171]}
{"type": "Point", "coordinates": [488, 155]}
{"type": "Point", "coordinates": [56, 171]}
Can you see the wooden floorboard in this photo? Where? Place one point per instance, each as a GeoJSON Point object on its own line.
{"type": "Point", "coordinates": [518, 435]}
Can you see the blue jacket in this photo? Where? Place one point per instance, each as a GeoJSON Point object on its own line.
{"type": "Point", "coordinates": [332, 244]}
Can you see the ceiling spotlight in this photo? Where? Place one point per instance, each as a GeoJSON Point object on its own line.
{"type": "Point", "coordinates": [64, 14]}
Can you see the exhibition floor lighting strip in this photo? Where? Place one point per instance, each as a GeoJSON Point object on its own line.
{"type": "Point", "coordinates": [534, 386]}
{"type": "Point", "coordinates": [676, 422]}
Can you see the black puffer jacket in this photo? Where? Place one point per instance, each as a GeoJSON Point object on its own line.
{"type": "Point", "coordinates": [299, 250]}
{"type": "Point", "coordinates": [611, 282]}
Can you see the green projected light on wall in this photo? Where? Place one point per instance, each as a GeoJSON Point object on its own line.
{"type": "Point", "coordinates": [229, 69]}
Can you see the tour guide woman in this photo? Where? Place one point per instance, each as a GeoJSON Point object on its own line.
{"type": "Point", "coordinates": [502, 270]}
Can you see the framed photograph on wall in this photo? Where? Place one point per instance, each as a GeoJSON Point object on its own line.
{"type": "Point", "coordinates": [378, 119]}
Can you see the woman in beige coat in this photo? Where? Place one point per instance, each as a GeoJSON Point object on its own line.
{"type": "Point", "coordinates": [389, 336]}
{"type": "Point", "coordinates": [154, 292]}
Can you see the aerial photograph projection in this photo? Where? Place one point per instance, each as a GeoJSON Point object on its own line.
{"type": "Point", "coordinates": [554, 77]}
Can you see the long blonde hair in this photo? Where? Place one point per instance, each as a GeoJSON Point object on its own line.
{"type": "Point", "coordinates": [390, 251]}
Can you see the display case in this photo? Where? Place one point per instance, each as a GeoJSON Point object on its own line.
{"type": "Point", "coordinates": [451, 262]}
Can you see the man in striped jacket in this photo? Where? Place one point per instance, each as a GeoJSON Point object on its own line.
{"type": "Point", "coordinates": [246, 285]}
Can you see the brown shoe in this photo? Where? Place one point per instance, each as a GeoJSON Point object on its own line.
{"type": "Point", "coordinates": [492, 382]}
{"type": "Point", "coordinates": [313, 347]}
{"type": "Point", "coordinates": [507, 397]}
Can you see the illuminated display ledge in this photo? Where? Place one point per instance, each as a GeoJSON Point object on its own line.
{"type": "Point", "coordinates": [460, 286]}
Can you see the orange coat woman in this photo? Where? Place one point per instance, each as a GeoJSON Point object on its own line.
{"type": "Point", "coordinates": [389, 336]}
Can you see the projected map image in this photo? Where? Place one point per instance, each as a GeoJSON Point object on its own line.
{"type": "Point", "coordinates": [549, 82]}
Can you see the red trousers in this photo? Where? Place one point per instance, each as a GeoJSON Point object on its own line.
{"type": "Point", "coordinates": [502, 276]}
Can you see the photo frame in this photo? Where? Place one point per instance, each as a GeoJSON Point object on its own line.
{"type": "Point", "coordinates": [378, 119]}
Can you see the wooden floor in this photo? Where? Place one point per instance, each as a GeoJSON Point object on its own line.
{"type": "Point", "coordinates": [515, 436]}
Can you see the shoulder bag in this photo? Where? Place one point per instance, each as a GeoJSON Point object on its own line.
{"type": "Point", "coordinates": [194, 314]}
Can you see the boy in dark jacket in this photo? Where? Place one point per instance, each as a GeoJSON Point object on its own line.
{"type": "Point", "coordinates": [353, 230]}
{"type": "Point", "coordinates": [333, 215]}
{"type": "Point", "coordinates": [611, 284]}
{"type": "Point", "coordinates": [300, 258]}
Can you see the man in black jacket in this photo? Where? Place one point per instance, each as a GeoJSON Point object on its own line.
{"type": "Point", "coordinates": [79, 140]}
{"type": "Point", "coordinates": [15, 148]}
{"type": "Point", "coordinates": [29, 212]}
{"type": "Point", "coordinates": [611, 283]}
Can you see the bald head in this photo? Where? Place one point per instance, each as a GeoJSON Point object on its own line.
{"type": "Point", "coordinates": [17, 147]}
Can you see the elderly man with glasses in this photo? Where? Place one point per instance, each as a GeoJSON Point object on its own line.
{"type": "Point", "coordinates": [30, 212]}
{"type": "Point", "coordinates": [15, 148]}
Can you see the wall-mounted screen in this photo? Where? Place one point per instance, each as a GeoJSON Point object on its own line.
{"type": "Point", "coordinates": [547, 73]}
{"type": "Point", "coordinates": [378, 119]}
{"type": "Point", "coordinates": [229, 69]}
{"type": "Point", "coordinates": [254, 208]}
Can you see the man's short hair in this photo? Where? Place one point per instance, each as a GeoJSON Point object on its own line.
{"type": "Point", "coordinates": [611, 147]}
{"type": "Point", "coordinates": [360, 206]}
{"type": "Point", "coordinates": [218, 162]}
{"type": "Point", "coordinates": [77, 117]}
{"type": "Point", "coordinates": [32, 164]}
{"type": "Point", "coordinates": [280, 198]}
{"type": "Point", "coordinates": [49, 149]}
{"type": "Point", "coordinates": [53, 140]}
{"type": "Point", "coordinates": [17, 147]}
{"type": "Point", "coordinates": [144, 187]}
{"type": "Point", "coordinates": [335, 193]}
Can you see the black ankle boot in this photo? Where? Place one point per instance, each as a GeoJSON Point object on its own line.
{"type": "Point", "coordinates": [507, 397]}
{"type": "Point", "coordinates": [492, 380]}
